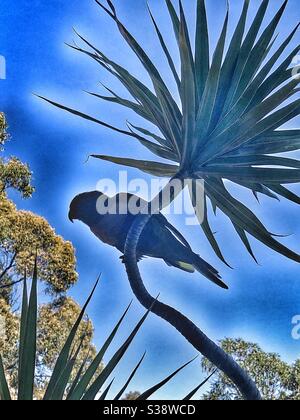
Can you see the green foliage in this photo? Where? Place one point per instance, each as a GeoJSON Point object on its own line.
{"type": "Point", "coordinates": [275, 379]}
{"type": "Point", "coordinates": [71, 377]}
{"type": "Point", "coordinates": [9, 336]}
{"type": "Point", "coordinates": [21, 234]}
{"type": "Point", "coordinates": [230, 113]}
{"type": "Point", "coordinates": [294, 381]}
{"type": "Point", "coordinates": [131, 396]}
{"type": "Point", "coordinates": [54, 323]}
{"type": "Point", "coordinates": [13, 173]}
{"type": "Point", "coordinates": [17, 175]}
{"type": "Point", "coordinates": [3, 128]}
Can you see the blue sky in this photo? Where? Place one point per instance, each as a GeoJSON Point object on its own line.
{"type": "Point", "coordinates": [262, 298]}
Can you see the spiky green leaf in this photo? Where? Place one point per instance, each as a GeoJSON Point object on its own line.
{"type": "Point", "coordinates": [194, 392]}
{"type": "Point", "coordinates": [64, 355]}
{"type": "Point", "coordinates": [93, 390]}
{"type": "Point", "coordinates": [132, 375]}
{"type": "Point", "coordinates": [153, 168]}
{"type": "Point", "coordinates": [147, 394]}
{"type": "Point", "coordinates": [28, 351]}
{"type": "Point", "coordinates": [84, 382]}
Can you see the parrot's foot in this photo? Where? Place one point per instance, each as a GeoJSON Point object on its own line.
{"type": "Point", "coordinates": [122, 258]}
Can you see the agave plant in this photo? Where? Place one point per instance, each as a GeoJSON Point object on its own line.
{"type": "Point", "coordinates": [87, 385]}
{"type": "Point", "coordinates": [226, 127]}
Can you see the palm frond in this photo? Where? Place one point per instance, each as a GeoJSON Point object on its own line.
{"type": "Point", "coordinates": [227, 125]}
{"type": "Point", "coordinates": [153, 168]}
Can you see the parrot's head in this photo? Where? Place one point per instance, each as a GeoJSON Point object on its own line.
{"type": "Point", "coordinates": [84, 207]}
{"type": "Point", "coordinates": [90, 207]}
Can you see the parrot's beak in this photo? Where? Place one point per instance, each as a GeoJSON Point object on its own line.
{"type": "Point", "coordinates": [70, 216]}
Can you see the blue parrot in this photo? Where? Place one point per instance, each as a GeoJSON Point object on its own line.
{"type": "Point", "coordinates": [159, 239]}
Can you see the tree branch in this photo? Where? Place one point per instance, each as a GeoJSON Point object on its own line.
{"type": "Point", "coordinates": [7, 286]}
{"type": "Point", "coordinates": [186, 327]}
{"type": "Point", "coordinates": [4, 272]}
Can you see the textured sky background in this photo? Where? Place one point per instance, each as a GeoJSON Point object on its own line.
{"type": "Point", "coordinates": [262, 299]}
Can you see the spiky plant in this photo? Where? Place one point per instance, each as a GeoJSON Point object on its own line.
{"type": "Point", "coordinates": [88, 383]}
{"type": "Point", "coordinates": [226, 127]}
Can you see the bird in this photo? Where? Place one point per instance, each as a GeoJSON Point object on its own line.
{"type": "Point", "coordinates": [110, 219]}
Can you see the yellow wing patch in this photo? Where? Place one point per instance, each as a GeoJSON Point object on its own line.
{"type": "Point", "coordinates": [186, 267]}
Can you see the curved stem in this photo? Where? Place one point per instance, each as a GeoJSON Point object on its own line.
{"type": "Point", "coordinates": [185, 326]}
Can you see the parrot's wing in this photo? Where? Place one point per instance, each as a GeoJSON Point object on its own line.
{"type": "Point", "coordinates": [165, 223]}
{"type": "Point", "coordinates": [182, 255]}
{"type": "Point", "coordinates": [111, 229]}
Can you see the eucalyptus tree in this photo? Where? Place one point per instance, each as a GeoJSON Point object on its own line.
{"type": "Point", "coordinates": [276, 379]}
{"type": "Point", "coordinates": [22, 232]}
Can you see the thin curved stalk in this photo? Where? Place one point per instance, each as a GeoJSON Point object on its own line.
{"type": "Point", "coordinates": [184, 325]}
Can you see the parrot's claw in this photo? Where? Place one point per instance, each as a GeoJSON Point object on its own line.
{"type": "Point", "coordinates": [122, 258]}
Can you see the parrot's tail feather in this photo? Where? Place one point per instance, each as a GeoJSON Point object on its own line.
{"type": "Point", "coordinates": [197, 263]}
{"type": "Point", "coordinates": [208, 271]}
